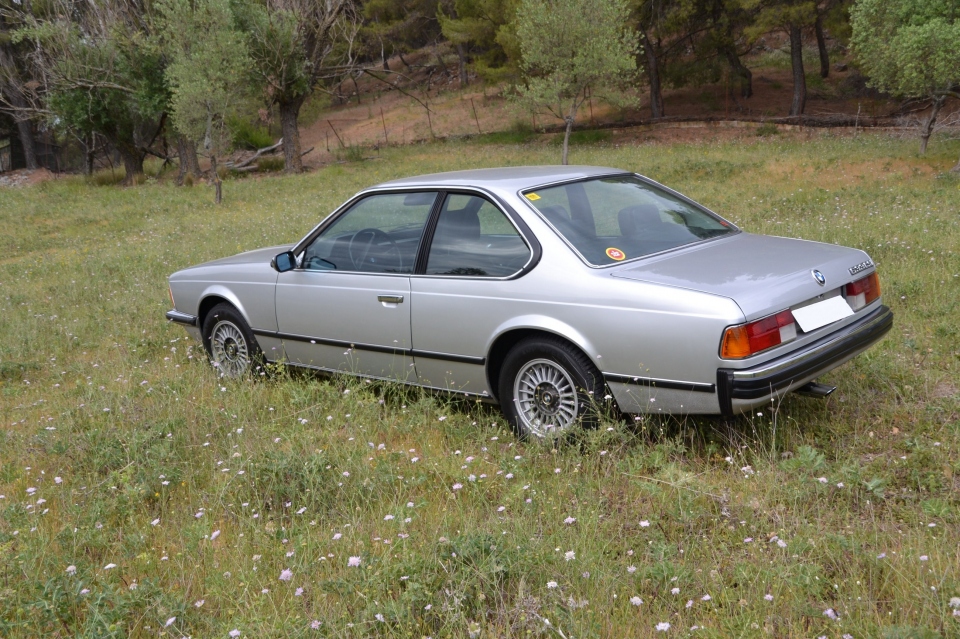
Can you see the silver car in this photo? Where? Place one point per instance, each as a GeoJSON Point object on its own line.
{"type": "Point", "coordinates": [553, 291]}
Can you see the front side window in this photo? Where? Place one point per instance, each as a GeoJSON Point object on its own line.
{"type": "Point", "coordinates": [609, 220]}
{"type": "Point", "coordinates": [379, 234]}
{"type": "Point", "coordinates": [474, 238]}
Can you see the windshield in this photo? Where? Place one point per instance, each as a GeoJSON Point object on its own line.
{"type": "Point", "coordinates": [609, 220]}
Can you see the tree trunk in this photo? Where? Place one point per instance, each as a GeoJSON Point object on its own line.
{"type": "Point", "coordinates": [29, 143]}
{"type": "Point", "coordinates": [215, 178]}
{"type": "Point", "coordinates": [653, 73]}
{"type": "Point", "coordinates": [745, 74]}
{"type": "Point", "coordinates": [356, 89]}
{"type": "Point", "coordinates": [822, 47]}
{"type": "Point", "coordinates": [17, 99]}
{"type": "Point", "coordinates": [189, 163]}
{"type": "Point", "coordinates": [799, 80]}
{"type": "Point", "coordinates": [927, 129]}
{"type": "Point", "coordinates": [289, 112]}
{"type": "Point", "coordinates": [464, 80]}
{"type": "Point", "coordinates": [132, 164]}
{"type": "Point", "coordinates": [89, 149]}
{"type": "Point", "coordinates": [566, 139]}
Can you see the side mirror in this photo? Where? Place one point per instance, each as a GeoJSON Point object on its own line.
{"type": "Point", "coordinates": [284, 262]}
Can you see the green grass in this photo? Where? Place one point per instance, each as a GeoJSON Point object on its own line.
{"type": "Point", "coordinates": [138, 454]}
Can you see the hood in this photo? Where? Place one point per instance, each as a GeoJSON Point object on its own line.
{"type": "Point", "coordinates": [256, 256]}
{"type": "Point", "coordinates": [762, 274]}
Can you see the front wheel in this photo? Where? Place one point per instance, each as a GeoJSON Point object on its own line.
{"type": "Point", "coordinates": [229, 341]}
{"type": "Point", "coordinates": [548, 386]}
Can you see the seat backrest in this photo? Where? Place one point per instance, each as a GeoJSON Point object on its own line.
{"type": "Point", "coordinates": [456, 227]}
{"type": "Point", "coordinates": [556, 215]}
{"type": "Point", "coordinates": [639, 218]}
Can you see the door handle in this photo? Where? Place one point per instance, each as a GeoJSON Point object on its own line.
{"type": "Point", "coordinates": [390, 299]}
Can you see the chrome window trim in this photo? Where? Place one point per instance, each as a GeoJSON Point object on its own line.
{"type": "Point", "coordinates": [533, 247]}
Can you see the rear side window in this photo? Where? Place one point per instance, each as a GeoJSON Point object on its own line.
{"type": "Point", "coordinates": [613, 219]}
{"type": "Point", "coordinates": [474, 238]}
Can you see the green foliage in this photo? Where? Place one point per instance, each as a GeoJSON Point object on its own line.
{"type": "Point", "coordinates": [910, 48]}
{"type": "Point", "coordinates": [565, 56]}
{"type": "Point", "coordinates": [102, 73]}
{"type": "Point", "coordinates": [251, 136]}
{"type": "Point", "coordinates": [278, 55]}
{"type": "Point", "coordinates": [485, 26]}
{"type": "Point", "coordinates": [398, 26]}
{"type": "Point", "coordinates": [207, 70]}
{"type": "Point", "coordinates": [767, 129]}
{"type": "Point", "coordinates": [268, 164]}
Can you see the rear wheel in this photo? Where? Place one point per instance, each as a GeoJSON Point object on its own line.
{"type": "Point", "coordinates": [548, 386]}
{"type": "Point", "coordinates": [230, 342]}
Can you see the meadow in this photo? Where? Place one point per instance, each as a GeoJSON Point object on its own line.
{"type": "Point", "coordinates": [142, 496]}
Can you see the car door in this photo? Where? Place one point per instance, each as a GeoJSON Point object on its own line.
{"type": "Point", "coordinates": [466, 291]}
{"type": "Point", "coordinates": [346, 307]}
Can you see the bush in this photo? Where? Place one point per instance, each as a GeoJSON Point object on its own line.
{"type": "Point", "coordinates": [767, 129]}
{"type": "Point", "coordinates": [251, 136]}
{"type": "Point", "coordinates": [270, 164]}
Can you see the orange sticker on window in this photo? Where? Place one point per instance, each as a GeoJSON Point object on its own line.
{"type": "Point", "coordinates": [615, 254]}
{"type": "Point", "coordinates": [533, 197]}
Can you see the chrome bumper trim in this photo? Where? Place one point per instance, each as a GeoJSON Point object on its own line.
{"type": "Point", "coordinates": [182, 318]}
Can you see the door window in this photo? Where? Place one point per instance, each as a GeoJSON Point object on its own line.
{"type": "Point", "coordinates": [474, 238]}
{"type": "Point", "coordinates": [379, 234]}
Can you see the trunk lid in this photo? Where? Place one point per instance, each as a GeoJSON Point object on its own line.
{"type": "Point", "coordinates": [761, 273]}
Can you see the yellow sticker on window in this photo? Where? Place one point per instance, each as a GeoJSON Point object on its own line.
{"type": "Point", "coordinates": [533, 197]}
{"type": "Point", "coordinates": [615, 254]}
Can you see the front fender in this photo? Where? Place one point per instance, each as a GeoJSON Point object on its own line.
{"type": "Point", "coordinates": [219, 290]}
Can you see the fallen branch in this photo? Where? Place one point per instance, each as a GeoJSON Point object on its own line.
{"type": "Point", "coordinates": [244, 168]}
{"type": "Point", "coordinates": [255, 156]}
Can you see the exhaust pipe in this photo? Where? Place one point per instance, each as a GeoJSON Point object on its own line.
{"type": "Point", "coordinates": [813, 389]}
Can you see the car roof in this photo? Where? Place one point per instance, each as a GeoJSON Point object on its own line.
{"type": "Point", "coordinates": [510, 179]}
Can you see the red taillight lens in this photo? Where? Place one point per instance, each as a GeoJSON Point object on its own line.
{"type": "Point", "coordinates": [863, 291]}
{"type": "Point", "coordinates": [747, 339]}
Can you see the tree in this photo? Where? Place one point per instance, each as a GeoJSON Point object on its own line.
{"type": "Point", "coordinates": [97, 73]}
{"type": "Point", "coordinates": [791, 16]}
{"type": "Point", "coordinates": [13, 92]}
{"type": "Point", "coordinates": [487, 27]}
{"type": "Point", "coordinates": [206, 73]}
{"type": "Point", "coordinates": [570, 47]}
{"type": "Point", "coordinates": [293, 45]}
{"type": "Point", "coordinates": [910, 48]}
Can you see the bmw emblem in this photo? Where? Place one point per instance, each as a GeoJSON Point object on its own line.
{"type": "Point", "coordinates": [817, 275]}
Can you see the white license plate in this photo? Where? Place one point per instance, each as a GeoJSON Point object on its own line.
{"type": "Point", "coordinates": [812, 317]}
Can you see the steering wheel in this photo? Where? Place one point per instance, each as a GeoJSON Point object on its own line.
{"type": "Point", "coordinates": [369, 248]}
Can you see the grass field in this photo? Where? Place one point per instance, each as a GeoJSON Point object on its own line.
{"type": "Point", "coordinates": [141, 496]}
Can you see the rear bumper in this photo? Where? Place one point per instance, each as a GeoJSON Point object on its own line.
{"type": "Point", "coordinates": [741, 389]}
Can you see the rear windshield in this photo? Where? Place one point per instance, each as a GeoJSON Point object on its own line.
{"type": "Point", "coordinates": [609, 220]}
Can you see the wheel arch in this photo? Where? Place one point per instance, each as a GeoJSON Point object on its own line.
{"type": "Point", "coordinates": [217, 295]}
{"type": "Point", "coordinates": [510, 337]}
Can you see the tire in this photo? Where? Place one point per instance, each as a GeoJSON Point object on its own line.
{"type": "Point", "coordinates": [230, 343]}
{"type": "Point", "coordinates": [545, 380]}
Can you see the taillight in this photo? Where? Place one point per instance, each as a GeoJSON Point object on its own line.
{"type": "Point", "coordinates": [863, 291]}
{"type": "Point", "coordinates": [170, 289]}
{"type": "Point", "coordinates": [746, 339]}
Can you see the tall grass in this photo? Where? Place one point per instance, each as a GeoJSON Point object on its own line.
{"type": "Point", "coordinates": [142, 496]}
